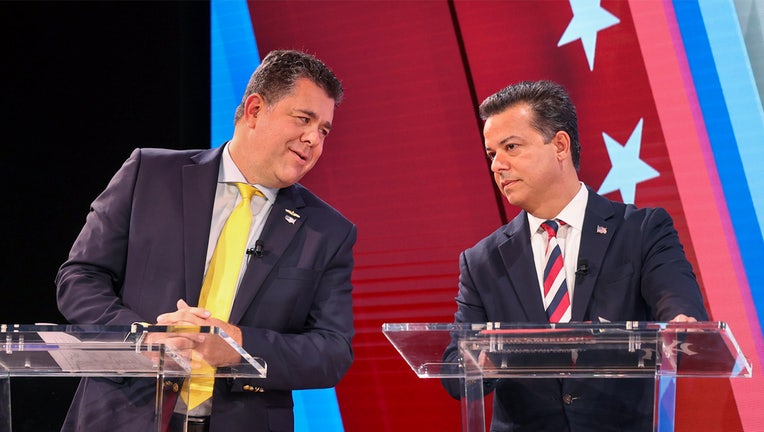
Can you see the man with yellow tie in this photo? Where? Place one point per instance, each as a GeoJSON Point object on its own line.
{"type": "Point", "coordinates": [167, 242]}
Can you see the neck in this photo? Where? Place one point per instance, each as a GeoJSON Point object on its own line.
{"type": "Point", "coordinates": [550, 208]}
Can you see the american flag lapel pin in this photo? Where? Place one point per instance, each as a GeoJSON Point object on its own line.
{"type": "Point", "coordinates": [601, 229]}
{"type": "Point", "coordinates": [291, 216]}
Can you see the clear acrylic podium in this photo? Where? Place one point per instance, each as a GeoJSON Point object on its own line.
{"type": "Point", "coordinates": [162, 356]}
{"type": "Point", "coordinates": [652, 350]}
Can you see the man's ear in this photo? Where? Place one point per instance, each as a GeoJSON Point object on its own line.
{"type": "Point", "coordinates": [253, 107]}
{"type": "Point", "coordinates": [561, 143]}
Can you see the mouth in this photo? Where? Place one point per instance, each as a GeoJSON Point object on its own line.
{"type": "Point", "coordinates": [299, 154]}
{"type": "Point", "coordinates": [507, 182]}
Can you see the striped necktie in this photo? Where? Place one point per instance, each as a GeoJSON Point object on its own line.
{"type": "Point", "coordinates": [556, 296]}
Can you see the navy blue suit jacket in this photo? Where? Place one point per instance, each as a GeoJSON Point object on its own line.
{"type": "Point", "coordinates": [144, 246]}
{"type": "Point", "coordinates": [637, 271]}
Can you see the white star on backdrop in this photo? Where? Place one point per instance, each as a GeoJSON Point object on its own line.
{"type": "Point", "coordinates": [588, 18]}
{"type": "Point", "coordinates": [627, 168]}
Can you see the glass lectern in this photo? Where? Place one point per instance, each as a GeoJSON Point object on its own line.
{"type": "Point", "coordinates": [158, 358]}
{"type": "Point", "coordinates": [652, 350]}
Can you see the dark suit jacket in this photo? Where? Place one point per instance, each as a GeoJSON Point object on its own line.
{"type": "Point", "coordinates": [637, 270]}
{"type": "Point", "coordinates": [143, 247]}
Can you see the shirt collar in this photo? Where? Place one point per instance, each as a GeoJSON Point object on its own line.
{"type": "Point", "coordinates": [572, 213]}
{"type": "Point", "coordinates": [230, 173]}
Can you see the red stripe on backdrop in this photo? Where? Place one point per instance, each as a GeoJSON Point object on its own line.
{"type": "Point", "coordinates": [708, 224]}
{"type": "Point", "coordinates": [405, 162]}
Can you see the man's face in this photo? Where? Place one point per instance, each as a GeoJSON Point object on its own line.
{"type": "Point", "coordinates": [525, 169]}
{"type": "Point", "coordinates": [287, 137]}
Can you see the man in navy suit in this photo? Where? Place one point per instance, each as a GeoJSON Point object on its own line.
{"type": "Point", "coordinates": [636, 268]}
{"type": "Point", "coordinates": [149, 237]}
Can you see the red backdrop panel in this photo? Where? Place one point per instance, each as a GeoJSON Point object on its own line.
{"type": "Point", "coordinates": [406, 163]}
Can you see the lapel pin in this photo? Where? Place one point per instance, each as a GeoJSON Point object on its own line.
{"type": "Point", "coordinates": [291, 216]}
{"type": "Point", "coordinates": [601, 229]}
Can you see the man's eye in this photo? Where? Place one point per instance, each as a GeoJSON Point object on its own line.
{"type": "Point", "coordinates": [490, 156]}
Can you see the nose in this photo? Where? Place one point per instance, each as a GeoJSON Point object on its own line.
{"type": "Point", "coordinates": [498, 164]}
{"type": "Point", "coordinates": [313, 137]}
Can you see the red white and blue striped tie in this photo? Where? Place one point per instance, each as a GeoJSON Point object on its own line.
{"type": "Point", "coordinates": [556, 296]}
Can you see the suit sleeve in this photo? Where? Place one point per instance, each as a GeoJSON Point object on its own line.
{"type": "Point", "coordinates": [320, 353]}
{"type": "Point", "coordinates": [89, 281]}
{"type": "Point", "coordinates": [668, 285]}
{"type": "Point", "coordinates": [470, 309]}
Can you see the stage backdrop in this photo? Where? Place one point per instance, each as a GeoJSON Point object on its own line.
{"type": "Point", "coordinates": [670, 115]}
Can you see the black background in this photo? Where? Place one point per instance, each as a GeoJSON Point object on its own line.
{"type": "Point", "coordinates": [83, 84]}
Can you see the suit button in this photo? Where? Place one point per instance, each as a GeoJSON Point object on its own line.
{"type": "Point", "coordinates": [169, 385]}
{"type": "Point", "coordinates": [567, 399]}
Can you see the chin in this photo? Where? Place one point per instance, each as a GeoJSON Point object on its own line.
{"type": "Point", "coordinates": [514, 201]}
{"type": "Point", "coordinates": [290, 180]}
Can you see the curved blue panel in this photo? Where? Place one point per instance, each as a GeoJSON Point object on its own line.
{"type": "Point", "coordinates": [729, 102]}
{"type": "Point", "coordinates": [234, 56]}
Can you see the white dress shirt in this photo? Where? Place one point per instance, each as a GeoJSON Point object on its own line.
{"type": "Point", "coordinates": [568, 237]}
{"type": "Point", "coordinates": [227, 197]}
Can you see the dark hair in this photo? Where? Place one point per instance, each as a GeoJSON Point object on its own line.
{"type": "Point", "coordinates": [553, 110]}
{"type": "Point", "coordinates": [278, 72]}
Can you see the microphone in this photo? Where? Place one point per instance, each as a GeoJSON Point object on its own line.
{"type": "Point", "coordinates": [583, 267]}
{"type": "Point", "coordinates": [257, 250]}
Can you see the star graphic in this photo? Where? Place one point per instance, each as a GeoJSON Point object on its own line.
{"type": "Point", "coordinates": [588, 18]}
{"type": "Point", "coordinates": [627, 168]}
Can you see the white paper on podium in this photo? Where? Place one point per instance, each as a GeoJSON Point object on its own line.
{"type": "Point", "coordinates": [73, 355]}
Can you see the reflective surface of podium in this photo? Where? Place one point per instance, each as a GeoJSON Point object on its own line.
{"type": "Point", "coordinates": [652, 350]}
{"type": "Point", "coordinates": [162, 356]}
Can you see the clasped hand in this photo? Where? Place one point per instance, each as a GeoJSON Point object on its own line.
{"type": "Point", "coordinates": [207, 347]}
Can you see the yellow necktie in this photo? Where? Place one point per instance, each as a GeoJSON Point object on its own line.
{"type": "Point", "coordinates": [222, 277]}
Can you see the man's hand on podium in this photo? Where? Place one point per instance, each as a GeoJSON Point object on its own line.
{"type": "Point", "coordinates": [210, 348]}
{"type": "Point", "coordinates": [683, 318]}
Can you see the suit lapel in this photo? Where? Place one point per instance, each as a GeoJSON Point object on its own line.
{"type": "Point", "coordinates": [282, 224]}
{"type": "Point", "coordinates": [517, 255]}
{"type": "Point", "coordinates": [596, 233]}
{"type": "Point", "coordinates": [199, 183]}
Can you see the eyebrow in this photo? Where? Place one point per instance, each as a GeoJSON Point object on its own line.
{"type": "Point", "coordinates": [504, 141]}
{"type": "Point", "coordinates": [313, 116]}
{"type": "Point", "coordinates": [509, 138]}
